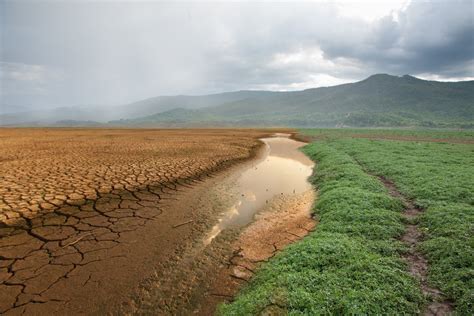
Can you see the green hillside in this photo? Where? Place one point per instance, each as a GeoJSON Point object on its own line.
{"type": "Point", "coordinates": [380, 100]}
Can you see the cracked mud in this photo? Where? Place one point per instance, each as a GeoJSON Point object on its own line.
{"type": "Point", "coordinates": [85, 213]}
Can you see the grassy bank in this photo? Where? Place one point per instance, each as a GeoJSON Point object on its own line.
{"type": "Point", "coordinates": [350, 264]}
{"type": "Point", "coordinates": [439, 177]}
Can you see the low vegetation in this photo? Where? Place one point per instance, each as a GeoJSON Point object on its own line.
{"type": "Point", "coordinates": [461, 136]}
{"type": "Point", "coordinates": [439, 178]}
{"type": "Point", "coordinates": [351, 263]}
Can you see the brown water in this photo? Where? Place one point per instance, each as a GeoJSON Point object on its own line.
{"type": "Point", "coordinates": [283, 170]}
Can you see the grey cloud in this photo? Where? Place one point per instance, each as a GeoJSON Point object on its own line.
{"type": "Point", "coordinates": [114, 53]}
{"type": "Point", "coordinates": [429, 37]}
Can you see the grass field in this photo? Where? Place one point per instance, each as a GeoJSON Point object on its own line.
{"type": "Point", "coordinates": [352, 262]}
{"type": "Point", "coordinates": [466, 136]}
{"type": "Point", "coordinates": [440, 179]}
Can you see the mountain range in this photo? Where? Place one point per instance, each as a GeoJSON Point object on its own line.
{"type": "Point", "coordinates": [379, 101]}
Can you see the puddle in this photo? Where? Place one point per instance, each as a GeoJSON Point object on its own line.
{"type": "Point", "coordinates": [283, 170]}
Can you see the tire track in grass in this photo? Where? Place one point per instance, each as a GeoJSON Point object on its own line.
{"type": "Point", "coordinates": [417, 263]}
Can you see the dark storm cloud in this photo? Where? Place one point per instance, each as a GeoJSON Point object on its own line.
{"type": "Point", "coordinates": [428, 37]}
{"type": "Point", "coordinates": [68, 53]}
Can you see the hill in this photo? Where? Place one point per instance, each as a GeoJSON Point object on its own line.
{"type": "Point", "coordinates": [19, 116]}
{"type": "Point", "coordinates": [380, 100]}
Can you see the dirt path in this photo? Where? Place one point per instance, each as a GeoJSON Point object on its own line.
{"type": "Point", "coordinates": [417, 263]}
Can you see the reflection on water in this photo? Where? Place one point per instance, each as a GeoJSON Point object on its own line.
{"type": "Point", "coordinates": [282, 170]}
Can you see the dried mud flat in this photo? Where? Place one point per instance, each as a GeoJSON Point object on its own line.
{"type": "Point", "coordinates": [85, 214]}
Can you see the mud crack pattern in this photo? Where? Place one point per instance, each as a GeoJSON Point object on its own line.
{"type": "Point", "coordinates": [68, 196]}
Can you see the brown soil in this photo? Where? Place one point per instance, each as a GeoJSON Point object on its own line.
{"type": "Point", "coordinates": [86, 214]}
{"type": "Point", "coordinates": [417, 263]}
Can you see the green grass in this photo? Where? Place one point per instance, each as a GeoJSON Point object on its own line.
{"type": "Point", "coordinates": [432, 134]}
{"type": "Point", "coordinates": [350, 264]}
{"type": "Point", "coordinates": [439, 177]}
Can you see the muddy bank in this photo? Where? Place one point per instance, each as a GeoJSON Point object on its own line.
{"type": "Point", "coordinates": [247, 214]}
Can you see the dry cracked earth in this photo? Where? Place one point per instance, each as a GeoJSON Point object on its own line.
{"type": "Point", "coordinates": [83, 211]}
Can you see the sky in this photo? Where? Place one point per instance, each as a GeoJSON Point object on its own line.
{"type": "Point", "coordinates": [68, 53]}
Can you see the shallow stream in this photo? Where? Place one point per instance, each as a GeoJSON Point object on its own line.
{"type": "Point", "coordinates": [282, 170]}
